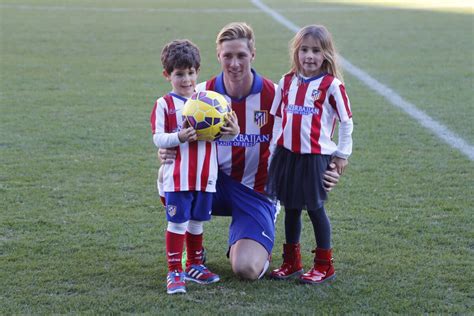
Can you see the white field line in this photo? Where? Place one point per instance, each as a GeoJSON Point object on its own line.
{"type": "Point", "coordinates": [451, 138]}
{"type": "Point", "coordinates": [176, 10]}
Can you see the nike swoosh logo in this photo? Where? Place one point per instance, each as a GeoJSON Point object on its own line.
{"type": "Point", "coordinates": [173, 254]}
{"type": "Point", "coordinates": [198, 252]}
{"type": "Point", "coordinates": [266, 236]}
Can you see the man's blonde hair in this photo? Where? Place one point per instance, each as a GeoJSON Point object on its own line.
{"type": "Point", "coordinates": [237, 30]}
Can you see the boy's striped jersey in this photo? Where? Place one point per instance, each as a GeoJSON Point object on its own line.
{"type": "Point", "coordinates": [195, 166]}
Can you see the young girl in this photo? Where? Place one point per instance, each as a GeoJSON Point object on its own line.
{"type": "Point", "coordinates": [308, 101]}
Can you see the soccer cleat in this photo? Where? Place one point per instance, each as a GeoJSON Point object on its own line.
{"type": "Point", "coordinates": [175, 282]}
{"type": "Point", "coordinates": [292, 265]}
{"type": "Point", "coordinates": [200, 274]}
{"type": "Point", "coordinates": [323, 269]}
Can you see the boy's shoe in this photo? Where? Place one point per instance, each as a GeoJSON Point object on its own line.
{"type": "Point", "coordinates": [200, 274]}
{"type": "Point", "coordinates": [204, 255]}
{"type": "Point", "coordinates": [175, 282]}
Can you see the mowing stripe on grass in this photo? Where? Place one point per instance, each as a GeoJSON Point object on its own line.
{"type": "Point", "coordinates": [390, 95]}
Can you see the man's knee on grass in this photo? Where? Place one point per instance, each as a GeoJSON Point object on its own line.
{"type": "Point", "coordinates": [248, 259]}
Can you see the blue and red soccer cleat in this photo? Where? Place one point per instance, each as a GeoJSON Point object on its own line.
{"type": "Point", "coordinates": [175, 282]}
{"type": "Point", "coordinates": [200, 274]}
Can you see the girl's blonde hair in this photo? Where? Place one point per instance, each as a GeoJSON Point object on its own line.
{"type": "Point", "coordinates": [237, 30]}
{"type": "Point", "coordinates": [320, 33]}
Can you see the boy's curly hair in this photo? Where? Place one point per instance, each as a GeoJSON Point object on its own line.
{"type": "Point", "coordinates": [180, 54]}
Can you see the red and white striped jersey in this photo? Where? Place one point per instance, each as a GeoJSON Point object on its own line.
{"type": "Point", "coordinates": [309, 109]}
{"type": "Point", "coordinates": [195, 166]}
{"type": "Point", "coordinates": [245, 158]}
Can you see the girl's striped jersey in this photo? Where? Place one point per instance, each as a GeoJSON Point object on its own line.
{"type": "Point", "coordinates": [308, 109]}
{"type": "Point", "coordinates": [246, 158]}
{"type": "Point", "coordinates": [195, 166]}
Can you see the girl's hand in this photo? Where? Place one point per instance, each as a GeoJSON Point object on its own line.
{"type": "Point", "coordinates": [340, 163]}
{"type": "Point", "coordinates": [231, 126]}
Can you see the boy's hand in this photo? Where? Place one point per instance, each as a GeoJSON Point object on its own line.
{"type": "Point", "coordinates": [340, 163]}
{"type": "Point", "coordinates": [231, 126]}
{"type": "Point", "coordinates": [187, 134]}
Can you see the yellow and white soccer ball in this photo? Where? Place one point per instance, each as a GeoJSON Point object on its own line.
{"type": "Point", "coordinates": [205, 112]}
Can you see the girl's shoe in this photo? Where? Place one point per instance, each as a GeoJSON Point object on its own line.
{"type": "Point", "coordinates": [292, 265]}
{"type": "Point", "coordinates": [323, 269]}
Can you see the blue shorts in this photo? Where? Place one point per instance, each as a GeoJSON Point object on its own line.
{"type": "Point", "coordinates": [253, 214]}
{"type": "Point", "coordinates": [188, 205]}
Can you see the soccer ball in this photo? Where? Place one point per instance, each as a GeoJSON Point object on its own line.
{"type": "Point", "coordinates": [205, 112]}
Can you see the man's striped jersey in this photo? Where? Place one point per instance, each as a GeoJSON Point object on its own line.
{"type": "Point", "coordinates": [245, 158]}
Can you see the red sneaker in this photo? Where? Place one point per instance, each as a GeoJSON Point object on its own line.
{"type": "Point", "coordinates": [291, 266]}
{"type": "Point", "coordinates": [323, 269]}
{"type": "Point", "coordinates": [175, 282]}
{"type": "Point", "coordinates": [200, 274]}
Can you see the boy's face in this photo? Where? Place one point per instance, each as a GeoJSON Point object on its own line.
{"type": "Point", "coordinates": [183, 81]}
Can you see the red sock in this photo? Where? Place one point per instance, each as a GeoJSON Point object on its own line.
{"type": "Point", "coordinates": [174, 250]}
{"type": "Point", "coordinates": [193, 249]}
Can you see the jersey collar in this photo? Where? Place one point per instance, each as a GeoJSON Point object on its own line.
{"type": "Point", "coordinates": [178, 96]}
{"type": "Point", "coordinates": [306, 80]}
{"type": "Point", "coordinates": [256, 85]}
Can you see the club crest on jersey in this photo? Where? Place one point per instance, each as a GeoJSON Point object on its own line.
{"type": "Point", "coordinates": [260, 118]}
{"type": "Point", "coordinates": [171, 209]}
{"type": "Point", "coordinates": [315, 94]}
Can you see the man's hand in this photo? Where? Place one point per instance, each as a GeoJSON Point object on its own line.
{"type": "Point", "coordinates": [231, 126]}
{"type": "Point", "coordinates": [166, 155]}
{"type": "Point", "coordinates": [330, 177]}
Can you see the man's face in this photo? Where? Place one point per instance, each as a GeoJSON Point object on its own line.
{"type": "Point", "coordinates": [235, 58]}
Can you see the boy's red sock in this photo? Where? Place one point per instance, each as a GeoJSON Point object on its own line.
{"type": "Point", "coordinates": [174, 250]}
{"type": "Point", "coordinates": [193, 249]}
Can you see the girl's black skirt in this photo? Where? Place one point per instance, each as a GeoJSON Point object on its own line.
{"type": "Point", "coordinates": [297, 179]}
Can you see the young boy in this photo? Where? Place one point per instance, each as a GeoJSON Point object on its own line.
{"type": "Point", "coordinates": [189, 181]}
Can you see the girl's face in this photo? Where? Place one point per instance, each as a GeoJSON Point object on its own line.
{"type": "Point", "coordinates": [236, 59]}
{"type": "Point", "coordinates": [310, 57]}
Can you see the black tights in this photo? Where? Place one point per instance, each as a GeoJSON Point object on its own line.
{"type": "Point", "coordinates": [321, 227]}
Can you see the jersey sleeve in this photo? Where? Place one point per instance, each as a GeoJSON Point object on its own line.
{"type": "Point", "coordinates": [161, 138]}
{"type": "Point", "coordinates": [277, 123]}
{"type": "Point", "coordinates": [276, 105]}
{"type": "Point", "coordinates": [341, 104]}
{"type": "Point", "coordinates": [339, 101]}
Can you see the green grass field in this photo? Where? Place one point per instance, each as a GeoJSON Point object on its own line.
{"type": "Point", "coordinates": [81, 226]}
